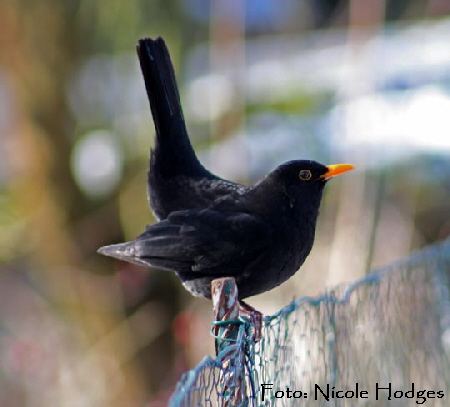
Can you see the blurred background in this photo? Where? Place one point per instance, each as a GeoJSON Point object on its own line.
{"type": "Point", "coordinates": [262, 82]}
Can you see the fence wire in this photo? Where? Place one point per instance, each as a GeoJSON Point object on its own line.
{"type": "Point", "coordinates": [382, 341]}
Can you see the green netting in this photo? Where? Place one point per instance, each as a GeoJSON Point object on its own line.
{"type": "Point", "coordinates": [388, 330]}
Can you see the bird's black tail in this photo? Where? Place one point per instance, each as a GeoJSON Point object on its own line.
{"type": "Point", "coordinates": [173, 151]}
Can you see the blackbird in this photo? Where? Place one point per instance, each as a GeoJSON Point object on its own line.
{"type": "Point", "coordinates": [210, 227]}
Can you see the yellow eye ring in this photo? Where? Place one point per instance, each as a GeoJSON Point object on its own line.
{"type": "Point", "coordinates": [305, 175]}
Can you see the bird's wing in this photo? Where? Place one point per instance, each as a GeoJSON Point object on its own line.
{"type": "Point", "coordinates": [204, 242]}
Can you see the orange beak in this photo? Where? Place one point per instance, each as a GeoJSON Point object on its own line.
{"type": "Point", "coordinates": [337, 169]}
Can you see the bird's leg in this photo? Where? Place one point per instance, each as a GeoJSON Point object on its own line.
{"type": "Point", "coordinates": [255, 317]}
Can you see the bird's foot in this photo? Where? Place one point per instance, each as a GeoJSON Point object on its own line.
{"type": "Point", "coordinates": [255, 318]}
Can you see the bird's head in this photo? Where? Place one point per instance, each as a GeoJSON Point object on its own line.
{"type": "Point", "coordinates": [305, 179]}
{"type": "Point", "coordinates": [302, 173]}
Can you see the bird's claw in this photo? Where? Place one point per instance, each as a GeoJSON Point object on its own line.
{"type": "Point", "coordinates": [255, 319]}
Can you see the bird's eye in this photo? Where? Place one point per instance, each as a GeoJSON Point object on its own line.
{"type": "Point", "coordinates": [305, 175]}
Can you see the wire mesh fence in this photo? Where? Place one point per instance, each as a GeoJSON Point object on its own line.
{"type": "Point", "coordinates": [382, 341]}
